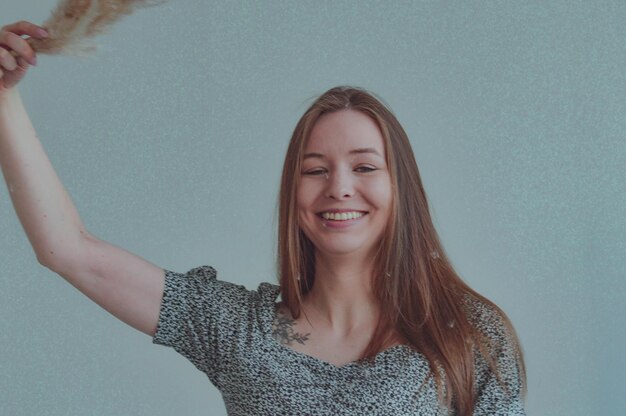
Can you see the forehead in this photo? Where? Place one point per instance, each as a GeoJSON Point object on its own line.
{"type": "Point", "coordinates": [342, 131]}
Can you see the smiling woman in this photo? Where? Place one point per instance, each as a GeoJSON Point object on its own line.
{"type": "Point", "coordinates": [372, 317]}
{"type": "Point", "coordinates": [383, 279]}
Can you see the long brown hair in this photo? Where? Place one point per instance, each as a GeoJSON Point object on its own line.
{"type": "Point", "coordinates": [421, 297]}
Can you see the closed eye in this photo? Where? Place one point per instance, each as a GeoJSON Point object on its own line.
{"type": "Point", "coordinates": [365, 169]}
{"type": "Point", "coordinates": [315, 172]}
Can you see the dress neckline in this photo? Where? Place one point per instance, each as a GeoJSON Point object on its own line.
{"type": "Point", "coordinates": [271, 316]}
{"type": "Point", "coordinates": [352, 364]}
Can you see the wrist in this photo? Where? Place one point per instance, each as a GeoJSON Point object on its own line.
{"type": "Point", "coordinates": [8, 94]}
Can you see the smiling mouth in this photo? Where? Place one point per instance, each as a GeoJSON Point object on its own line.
{"type": "Point", "coordinates": [341, 216]}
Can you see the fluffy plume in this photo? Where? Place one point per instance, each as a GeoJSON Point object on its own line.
{"type": "Point", "coordinates": [74, 23]}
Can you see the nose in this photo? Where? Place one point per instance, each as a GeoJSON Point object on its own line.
{"type": "Point", "coordinates": [339, 185]}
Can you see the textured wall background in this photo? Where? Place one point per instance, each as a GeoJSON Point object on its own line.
{"type": "Point", "coordinates": [171, 138]}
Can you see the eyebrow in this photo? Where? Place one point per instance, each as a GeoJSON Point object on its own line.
{"type": "Point", "coordinates": [352, 152]}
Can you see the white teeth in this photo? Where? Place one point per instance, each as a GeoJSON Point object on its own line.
{"type": "Point", "coordinates": [341, 216]}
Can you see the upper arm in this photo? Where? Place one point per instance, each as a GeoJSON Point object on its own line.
{"type": "Point", "coordinates": [500, 390]}
{"type": "Point", "coordinates": [126, 285]}
{"type": "Point", "coordinates": [500, 394]}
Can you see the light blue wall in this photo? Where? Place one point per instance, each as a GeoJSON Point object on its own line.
{"type": "Point", "coordinates": [170, 141]}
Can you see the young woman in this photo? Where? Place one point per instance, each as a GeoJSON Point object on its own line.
{"type": "Point", "coordinates": [372, 317]}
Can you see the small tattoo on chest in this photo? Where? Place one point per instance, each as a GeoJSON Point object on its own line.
{"type": "Point", "coordinates": [283, 330]}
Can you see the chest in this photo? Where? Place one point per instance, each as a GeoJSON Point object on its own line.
{"type": "Point", "coordinates": [301, 371]}
{"type": "Point", "coordinates": [284, 382]}
{"type": "Point", "coordinates": [336, 352]}
{"type": "Point", "coordinates": [303, 337]}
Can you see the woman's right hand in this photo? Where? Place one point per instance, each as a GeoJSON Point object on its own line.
{"type": "Point", "coordinates": [15, 53]}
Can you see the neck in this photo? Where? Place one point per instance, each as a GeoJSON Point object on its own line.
{"type": "Point", "coordinates": [341, 299]}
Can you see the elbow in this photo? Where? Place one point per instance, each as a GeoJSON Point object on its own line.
{"type": "Point", "coordinates": [49, 261]}
{"type": "Point", "coordinates": [59, 261]}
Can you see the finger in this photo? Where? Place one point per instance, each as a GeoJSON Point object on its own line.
{"type": "Point", "coordinates": [18, 44]}
{"type": "Point", "coordinates": [22, 63]}
{"type": "Point", "coordinates": [7, 60]}
{"type": "Point", "coordinates": [26, 28]}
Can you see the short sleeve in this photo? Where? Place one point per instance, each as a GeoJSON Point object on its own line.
{"type": "Point", "coordinates": [497, 397]}
{"type": "Point", "coordinates": [204, 319]}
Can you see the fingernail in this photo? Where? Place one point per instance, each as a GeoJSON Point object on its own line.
{"type": "Point", "coordinates": [42, 32]}
{"type": "Point", "coordinates": [34, 61]}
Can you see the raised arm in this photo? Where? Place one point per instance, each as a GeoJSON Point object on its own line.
{"type": "Point", "coordinates": [126, 285]}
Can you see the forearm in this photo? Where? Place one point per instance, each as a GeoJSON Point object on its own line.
{"type": "Point", "coordinates": [42, 204]}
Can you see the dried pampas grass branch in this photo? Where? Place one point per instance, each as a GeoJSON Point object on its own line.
{"type": "Point", "coordinates": [74, 23]}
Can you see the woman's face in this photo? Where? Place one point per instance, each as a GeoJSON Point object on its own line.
{"type": "Point", "coordinates": [344, 197]}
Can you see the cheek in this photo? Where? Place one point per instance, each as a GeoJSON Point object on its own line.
{"type": "Point", "coordinates": [381, 193]}
{"type": "Point", "coordinates": [306, 195]}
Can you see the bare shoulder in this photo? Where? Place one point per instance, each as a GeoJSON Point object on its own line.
{"type": "Point", "coordinates": [286, 330]}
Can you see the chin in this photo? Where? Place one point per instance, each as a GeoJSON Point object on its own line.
{"type": "Point", "coordinates": [343, 249]}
